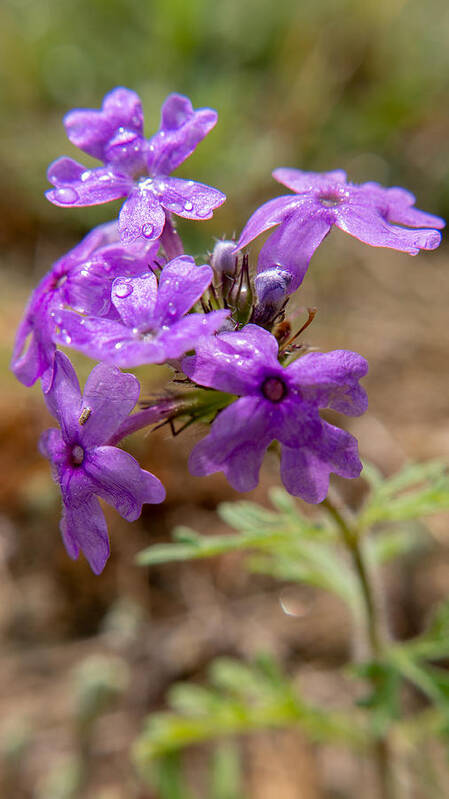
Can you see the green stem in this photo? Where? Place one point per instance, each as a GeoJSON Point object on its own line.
{"type": "Point", "coordinates": [376, 633]}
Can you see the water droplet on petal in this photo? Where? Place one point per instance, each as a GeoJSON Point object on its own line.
{"type": "Point", "coordinates": [171, 307]}
{"type": "Point", "coordinates": [188, 205]}
{"type": "Point", "coordinates": [147, 231]}
{"type": "Point", "coordinates": [123, 290]}
{"type": "Point", "coordinates": [119, 345]}
{"type": "Point", "coordinates": [66, 196]}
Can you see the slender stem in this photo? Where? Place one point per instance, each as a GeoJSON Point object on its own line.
{"type": "Point", "coordinates": [376, 633]}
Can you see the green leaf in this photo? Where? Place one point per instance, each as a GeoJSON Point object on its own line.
{"type": "Point", "coordinates": [226, 772]}
{"type": "Point", "coordinates": [418, 490]}
{"type": "Point", "coordinates": [383, 701]}
{"type": "Point", "coordinates": [257, 529]}
{"type": "Point", "coordinates": [169, 778]}
{"type": "Point", "coordinates": [241, 699]}
{"type": "Point", "coordinates": [390, 544]}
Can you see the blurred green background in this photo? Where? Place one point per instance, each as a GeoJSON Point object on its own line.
{"type": "Point", "coordinates": [317, 85]}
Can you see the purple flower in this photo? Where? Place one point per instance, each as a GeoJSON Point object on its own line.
{"type": "Point", "coordinates": [153, 323]}
{"type": "Point", "coordinates": [82, 462]}
{"type": "Point", "coordinates": [277, 403]}
{"type": "Point", "coordinates": [81, 279]}
{"type": "Point", "coordinates": [135, 167]}
{"type": "Point", "coordinates": [369, 212]}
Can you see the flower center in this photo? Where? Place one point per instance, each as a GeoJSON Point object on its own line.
{"type": "Point", "coordinates": [77, 455]}
{"type": "Point", "coordinates": [330, 199]}
{"type": "Point", "coordinates": [274, 389]}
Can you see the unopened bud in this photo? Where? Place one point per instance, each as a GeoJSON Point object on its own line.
{"type": "Point", "coordinates": [224, 258]}
{"type": "Point", "coordinates": [271, 286]}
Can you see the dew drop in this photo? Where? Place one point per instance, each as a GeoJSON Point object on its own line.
{"type": "Point", "coordinates": [171, 308]}
{"type": "Point", "coordinates": [188, 205]}
{"type": "Point", "coordinates": [66, 196]}
{"type": "Point", "coordinates": [123, 290]}
{"type": "Point", "coordinates": [119, 345]}
{"type": "Point", "coordinates": [147, 231]}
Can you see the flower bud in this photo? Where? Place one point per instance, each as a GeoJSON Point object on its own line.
{"type": "Point", "coordinates": [271, 286]}
{"type": "Point", "coordinates": [224, 258]}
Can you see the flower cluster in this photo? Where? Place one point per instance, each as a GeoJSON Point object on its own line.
{"type": "Point", "coordinates": [128, 295]}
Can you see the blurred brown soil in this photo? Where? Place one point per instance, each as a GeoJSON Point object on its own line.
{"type": "Point", "coordinates": [167, 624]}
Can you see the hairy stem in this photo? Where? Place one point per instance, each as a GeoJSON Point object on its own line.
{"type": "Point", "coordinates": [376, 631]}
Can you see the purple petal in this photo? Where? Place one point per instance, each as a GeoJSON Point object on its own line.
{"type": "Point", "coordinates": [181, 284]}
{"type": "Point", "coordinates": [88, 285]}
{"type": "Point", "coordinates": [91, 130]}
{"type": "Point", "coordinates": [109, 397]}
{"type": "Point", "coordinates": [305, 470]}
{"type": "Point", "coordinates": [141, 215]}
{"type": "Point", "coordinates": [330, 380]}
{"type": "Point", "coordinates": [235, 445]}
{"type": "Point", "coordinates": [232, 361]}
{"type": "Point", "coordinates": [361, 220]}
{"type": "Point", "coordinates": [175, 112]}
{"type": "Point", "coordinates": [109, 341]}
{"type": "Point", "coordinates": [180, 132]}
{"type": "Point", "coordinates": [292, 245]}
{"type": "Point", "coordinates": [64, 398]}
{"type": "Point", "coordinates": [52, 446]}
{"type": "Point", "coordinates": [271, 213]}
{"type": "Point", "coordinates": [302, 182]}
{"type": "Point", "coordinates": [189, 199]}
{"type": "Point", "coordinates": [187, 334]}
{"type": "Point", "coordinates": [124, 108]}
{"type": "Point", "coordinates": [83, 526]}
{"type": "Point", "coordinates": [78, 186]}
{"type": "Point", "coordinates": [120, 481]}
{"type": "Point", "coordinates": [399, 204]}
{"type": "Point", "coordinates": [99, 338]}
{"type": "Point", "coordinates": [135, 299]}
{"type": "Point", "coordinates": [33, 352]}
{"type": "Point", "coordinates": [100, 237]}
